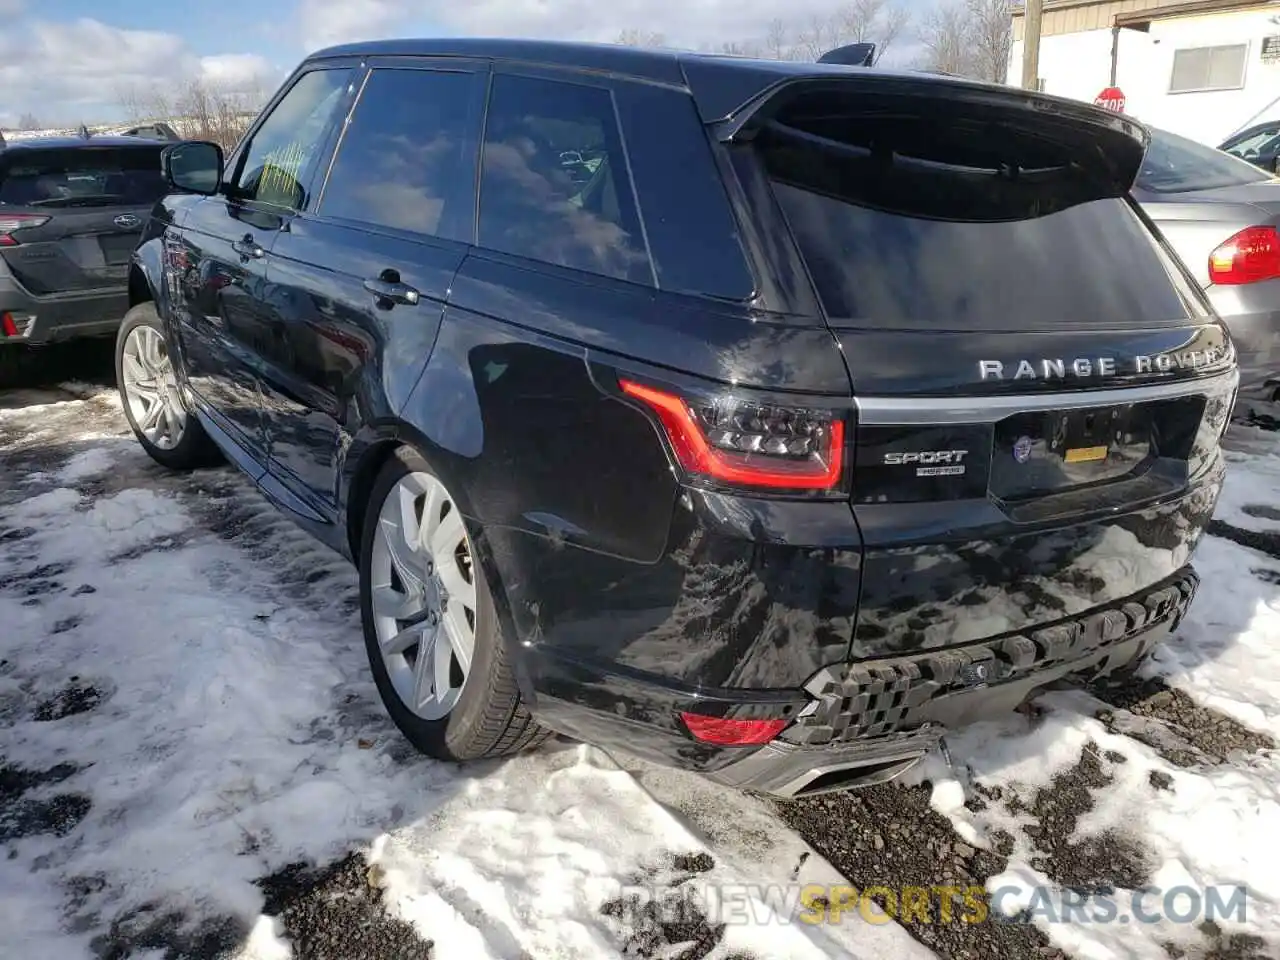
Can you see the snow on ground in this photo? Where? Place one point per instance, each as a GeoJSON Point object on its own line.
{"type": "Point", "coordinates": [184, 671]}
{"type": "Point", "coordinates": [1200, 825]}
{"type": "Point", "coordinates": [185, 709]}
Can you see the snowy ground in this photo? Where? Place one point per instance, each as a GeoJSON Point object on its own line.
{"type": "Point", "coordinates": [193, 763]}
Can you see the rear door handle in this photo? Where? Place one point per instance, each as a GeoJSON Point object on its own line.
{"type": "Point", "coordinates": [387, 287]}
{"type": "Point", "coordinates": [248, 248]}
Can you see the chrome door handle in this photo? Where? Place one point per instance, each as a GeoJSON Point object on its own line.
{"type": "Point", "coordinates": [248, 248]}
{"type": "Point", "coordinates": [392, 291]}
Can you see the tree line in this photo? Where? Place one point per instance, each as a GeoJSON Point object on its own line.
{"type": "Point", "coordinates": [966, 38]}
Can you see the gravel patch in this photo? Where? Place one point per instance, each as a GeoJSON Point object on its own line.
{"type": "Point", "coordinates": [1184, 732]}
{"type": "Point", "coordinates": [1094, 864]}
{"type": "Point", "coordinates": [335, 912]}
{"type": "Point", "coordinates": [890, 836]}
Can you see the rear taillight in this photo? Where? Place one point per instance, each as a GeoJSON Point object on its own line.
{"type": "Point", "coordinates": [10, 222]}
{"type": "Point", "coordinates": [747, 444]}
{"type": "Point", "coordinates": [8, 326]}
{"type": "Point", "coordinates": [728, 732]}
{"type": "Point", "coordinates": [1252, 255]}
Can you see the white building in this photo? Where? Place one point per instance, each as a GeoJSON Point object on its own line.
{"type": "Point", "coordinates": [1204, 68]}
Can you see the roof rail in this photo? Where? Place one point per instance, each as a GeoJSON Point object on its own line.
{"type": "Point", "coordinates": [851, 55]}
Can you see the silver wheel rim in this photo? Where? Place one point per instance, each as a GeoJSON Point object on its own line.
{"type": "Point", "coordinates": [424, 595]}
{"type": "Point", "coordinates": [151, 389]}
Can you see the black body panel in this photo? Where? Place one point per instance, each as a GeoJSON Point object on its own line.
{"type": "Point", "coordinates": [873, 480]}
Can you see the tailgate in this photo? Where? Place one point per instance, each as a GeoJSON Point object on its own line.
{"type": "Point", "coordinates": [1038, 382]}
{"type": "Point", "coordinates": [74, 249]}
{"type": "Point", "coordinates": [71, 216]}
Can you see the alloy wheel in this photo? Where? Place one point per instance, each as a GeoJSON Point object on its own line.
{"type": "Point", "coordinates": [151, 388]}
{"type": "Point", "coordinates": [423, 595]}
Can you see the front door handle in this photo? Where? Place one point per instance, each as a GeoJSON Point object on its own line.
{"type": "Point", "coordinates": [387, 287]}
{"type": "Point", "coordinates": [248, 248]}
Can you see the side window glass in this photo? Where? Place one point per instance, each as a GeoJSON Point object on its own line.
{"type": "Point", "coordinates": [554, 184]}
{"type": "Point", "coordinates": [282, 155]}
{"type": "Point", "coordinates": [407, 159]}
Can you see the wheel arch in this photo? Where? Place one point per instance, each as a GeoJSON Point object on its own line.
{"type": "Point", "coordinates": [368, 455]}
{"type": "Point", "coordinates": [145, 272]}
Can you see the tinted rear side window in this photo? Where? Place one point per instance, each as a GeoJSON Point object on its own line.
{"type": "Point", "coordinates": [692, 232]}
{"type": "Point", "coordinates": [407, 159]}
{"type": "Point", "coordinates": [902, 225]}
{"type": "Point", "coordinates": [554, 184]}
{"type": "Point", "coordinates": [82, 176]}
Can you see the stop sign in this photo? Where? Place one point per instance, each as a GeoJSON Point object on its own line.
{"type": "Point", "coordinates": [1112, 98]}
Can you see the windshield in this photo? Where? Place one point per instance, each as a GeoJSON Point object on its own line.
{"type": "Point", "coordinates": [82, 176]}
{"type": "Point", "coordinates": [1175, 164]}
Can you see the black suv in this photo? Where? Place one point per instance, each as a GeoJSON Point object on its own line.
{"type": "Point", "coordinates": [71, 213]}
{"type": "Point", "coordinates": [767, 419]}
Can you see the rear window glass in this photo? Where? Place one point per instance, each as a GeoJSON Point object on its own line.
{"type": "Point", "coordinates": [85, 176]}
{"type": "Point", "coordinates": [912, 224]}
{"type": "Point", "coordinates": [1175, 164]}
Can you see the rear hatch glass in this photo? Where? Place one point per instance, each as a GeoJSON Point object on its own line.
{"type": "Point", "coordinates": [966, 224]}
{"type": "Point", "coordinates": [86, 206]}
{"type": "Point", "coordinates": [970, 248]}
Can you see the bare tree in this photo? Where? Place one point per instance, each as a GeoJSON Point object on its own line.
{"type": "Point", "coordinates": [991, 34]}
{"type": "Point", "coordinates": [871, 21]}
{"type": "Point", "coordinates": [28, 121]}
{"type": "Point", "coordinates": [777, 42]}
{"type": "Point", "coordinates": [631, 37]}
{"type": "Point", "coordinates": [857, 21]}
{"type": "Point", "coordinates": [196, 108]}
{"type": "Point", "coordinates": [945, 35]}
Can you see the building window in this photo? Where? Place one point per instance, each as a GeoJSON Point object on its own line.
{"type": "Point", "coordinates": [1199, 69]}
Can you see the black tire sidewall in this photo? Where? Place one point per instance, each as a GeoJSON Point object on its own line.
{"type": "Point", "coordinates": [193, 450]}
{"type": "Point", "coordinates": [454, 736]}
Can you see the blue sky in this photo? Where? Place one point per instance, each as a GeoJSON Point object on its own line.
{"type": "Point", "coordinates": [64, 62]}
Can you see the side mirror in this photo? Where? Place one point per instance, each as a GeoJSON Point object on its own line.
{"type": "Point", "coordinates": [193, 166]}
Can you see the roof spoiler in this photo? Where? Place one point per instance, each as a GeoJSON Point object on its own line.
{"type": "Point", "coordinates": [851, 55]}
{"type": "Point", "coordinates": [1112, 143]}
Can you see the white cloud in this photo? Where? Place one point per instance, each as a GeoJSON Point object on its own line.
{"type": "Point", "coordinates": [238, 72]}
{"type": "Point", "coordinates": [82, 70]}
{"type": "Point", "coordinates": [685, 23]}
{"type": "Point", "coordinates": [323, 23]}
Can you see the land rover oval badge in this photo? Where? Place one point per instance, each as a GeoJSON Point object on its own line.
{"type": "Point", "coordinates": [1022, 449]}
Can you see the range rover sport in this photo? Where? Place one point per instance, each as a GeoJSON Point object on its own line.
{"type": "Point", "coordinates": [767, 419]}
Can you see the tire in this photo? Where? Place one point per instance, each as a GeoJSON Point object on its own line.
{"type": "Point", "coordinates": [16, 363]}
{"type": "Point", "coordinates": [192, 448]}
{"type": "Point", "coordinates": [488, 719]}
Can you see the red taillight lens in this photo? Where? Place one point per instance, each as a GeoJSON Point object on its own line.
{"type": "Point", "coordinates": [1250, 256]}
{"type": "Point", "coordinates": [7, 325]}
{"type": "Point", "coordinates": [9, 222]}
{"type": "Point", "coordinates": [726, 732]}
{"type": "Point", "coordinates": [744, 443]}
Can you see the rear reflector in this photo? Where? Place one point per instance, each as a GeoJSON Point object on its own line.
{"type": "Point", "coordinates": [1252, 255]}
{"type": "Point", "coordinates": [743, 443]}
{"type": "Point", "coordinates": [727, 732]}
{"type": "Point", "coordinates": [7, 325]}
{"type": "Point", "coordinates": [9, 222]}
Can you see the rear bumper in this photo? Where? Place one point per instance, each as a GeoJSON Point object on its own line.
{"type": "Point", "coordinates": [63, 316]}
{"type": "Point", "coordinates": [854, 724]}
{"type": "Point", "coordinates": [1252, 314]}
